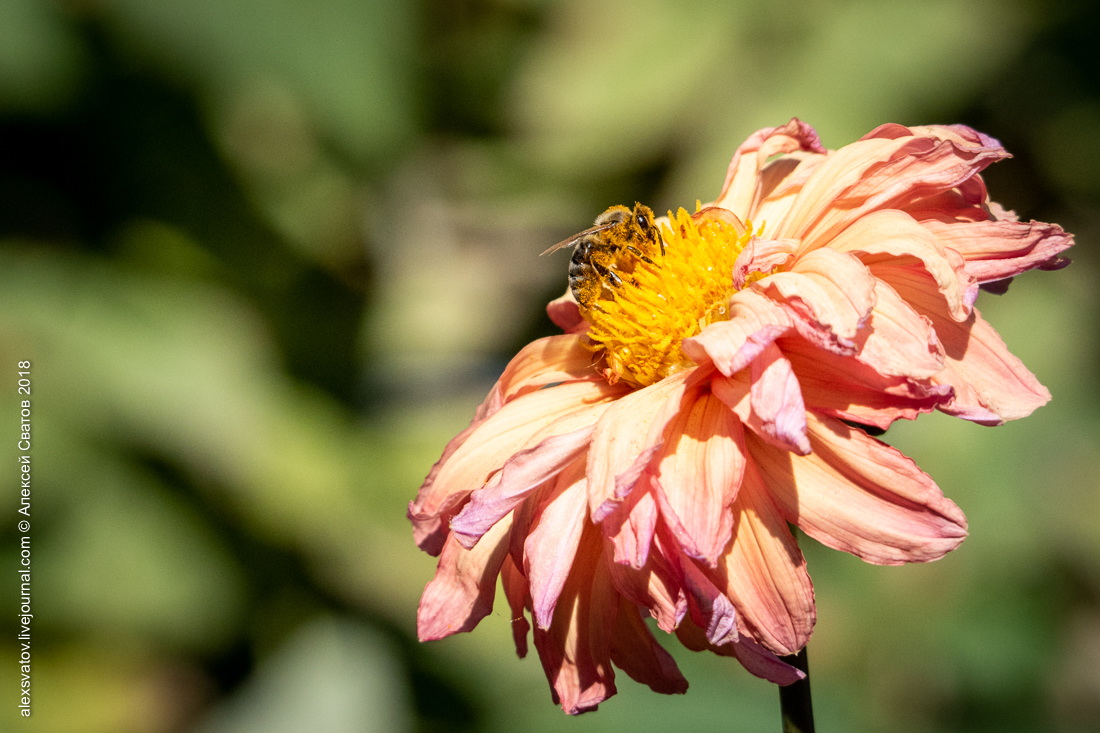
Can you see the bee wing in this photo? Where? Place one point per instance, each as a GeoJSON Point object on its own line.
{"type": "Point", "coordinates": [576, 238]}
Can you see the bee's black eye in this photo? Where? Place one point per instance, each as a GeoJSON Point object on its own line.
{"type": "Point", "coordinates": [642, 222]}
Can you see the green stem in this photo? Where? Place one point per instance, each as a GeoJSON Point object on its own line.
{"type": "Point", "coordinates": [794, 700]}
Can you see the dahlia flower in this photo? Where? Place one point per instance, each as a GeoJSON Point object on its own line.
{"type": "Point", "coordinates": [647, 461]}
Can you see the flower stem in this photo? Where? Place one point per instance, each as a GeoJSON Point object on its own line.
{"type": "Point", "coordinates": [794, 700]}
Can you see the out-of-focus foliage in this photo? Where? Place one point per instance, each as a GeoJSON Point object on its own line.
{"type": "Point", "coordinates": [265, 257]}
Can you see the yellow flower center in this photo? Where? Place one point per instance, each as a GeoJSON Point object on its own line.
{"type": "Point", "coordinates": [641, 325]}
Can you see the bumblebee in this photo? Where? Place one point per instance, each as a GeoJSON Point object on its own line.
{"type": "Point", "coordinates": [607, 252]}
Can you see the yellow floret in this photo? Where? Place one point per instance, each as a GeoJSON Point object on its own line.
{"type": "Point", "coordinates": [640, 328]}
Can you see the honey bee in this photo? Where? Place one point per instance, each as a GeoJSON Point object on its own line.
{"type": "Point", "coordinates": [607, 251]}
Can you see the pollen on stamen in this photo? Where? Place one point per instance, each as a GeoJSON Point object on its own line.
{"type": "Point", "coordinates": [641, 325]}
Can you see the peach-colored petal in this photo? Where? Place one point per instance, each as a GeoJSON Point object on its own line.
{"type": "Point", "coordinates": [857, 494]}
{"type": "Point", "coordinates": [776, 400]}
{"type": "Point", "coordinates": [762, 663]}
{"type": "Point", "coordinates": [781, 182]}
{"type": "Point", "coordinates": [502, 435]}
{"type": "Point", "coordinates": [848, 388]}
{"type": "Point", "coordinates": [995, 250]}
{"type": "Point", "coordinates": [515, 590]}
{"type": "Point", "coordinates": [762, 255]}
{"type": "Point", "coordinates": [841, 171]}
{"type": "Point", "coordinates": [764, 573]}
{"type": "Point", "coordinates": [969, 201]}
{"type": "Point", "coordinates": [576, 650]}
{"type": "Point", "coordinates": [699, 469]}
{"type": "Point", "coordinates": [900, 342]}
{"type": "Point", "coordinates": [755, 658]}
{"type": "Point", "coordinates": [755, 321]}
{"type": "Point", "coordinates": [735, 392]}
{"type": "Point", "coordinates": [961, 134]}
{"type": "Point", "coordinates": [878, 173]}
{"type": "Point", "coordinates": [566, 314]}
{"type": "Point", "coordinates": [844, 293]}
{"type": "Point", "coordinates": [630, 527]}
{"type": "Point", "coordinates": [551, 545]}
{"type": "Point", "coordinates": [720, 215]}
{"type": "Point", "coordinates": [630, 426]}
{"type": "Point", "coordinates": [430, 530]}
{"type": "Point", "coordinates": [991, 385]}
{"type": "Point", "coordinates": [708, 607]}
{"type": "Point", "coordinates": [461, 593]}
{"type": "Point", "coordinates": [740, 187]}
{"type": "Point", "coordinates": [636, 652]}
{"type": "Point", "coordinates": [523, 518]}
{"type": "Point", "coordinates": [817, 302]}
{"type": "Point", "coordinates": [521, 474]}
{"type": "Point", "coordinates": [893, 237]}
{"type": "Point", "coordinates": [654, 586]}
{"type": "Point", "coordinates": [546, 361]}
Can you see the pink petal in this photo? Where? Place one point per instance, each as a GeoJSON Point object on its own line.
{"type": "Point", "coordinates": [504, 434]}
{"type": "Point", "coordinates": [654, 586]}
{"type": "Point", "coordinates": [894, 238]}
{"type": "Point", "coordinates": [636, 652]}
{"type": "Point", "coordinates": [545, 361]}
{"type": "Point", "coordinates": [755, 321]}
{"type": "Point", "coordinates": [575, 650]}
{"type": "Point", "coordinates": [781, 181]}
{"type": "Point", "coordinates": [755, 658]}
{"type": "Point", "coordinates": [848, 388]}
{"type": "Point", "coordinates": [762, 255]}
{"type": "Point", "coordinates": [521, 474]}
{"type": "Point", "coordinates": [720, 215]}
{"type": "Point", "coordinates": [551, 546]}
{"type": "Point", "coordinates": [735, 392]}
{"type": "Point", "coordinates": [881, 173]}
{"type": "Point", "coordinates": [776, 400]}
{"type": "Point", "coordinates": [901, 342]}
{"type": "Point", "coordinates": [740, 188]}
{"type": "Point", "coordinates": [461, 593]}
{"type": "Point", "coordinates": [523, 518]}
{"type": "Point", "coordinates": [856, 494]}
{"type": "Point", "coordinates": [708, 607]}
{"type": "Point", "coordinates": [566, 314]}
{"type": "Point", "coordinates": [631, 425]}
{"type": "Point", "coordinates": [832, 290]}
{"type": "Point", "coordinates": [430, 529]}
{"type": "Point", "coordinates": [961, 134]}
{"type": "Point", "coordinates": [699, 469]}
{"type": "Point", "coordinates": [995, 250]}
{"type": "Point", "coordinates": [630, 527]}
{"type": "Point", "coordinates": [991, 385]}
{"type": "Point", "coordinates": [515, 590]}
{"type": "Point", "coordinates": [762, 663]}
{"type": "Point", "coordinates": [764, 573]}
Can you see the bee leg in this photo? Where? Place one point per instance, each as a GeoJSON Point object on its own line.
{"type": "Point", "coordinates": [608, 273]}
{"type": "Point", "coordinates": [641, 256]}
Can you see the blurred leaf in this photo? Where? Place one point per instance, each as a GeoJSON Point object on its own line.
{"type": "Point", "coordinates": [348, 61]}
{"type": "Point", "coordinates": [1069, 147]}
{"type": "Point", "coordinates": [40, 57]}
{"type": "Point", "coordinates": [125, 561]}
{"type": "Point", "coordinates": [331, 676]}
{"type": "Point", "coordinates": [87, 689]}
{"type": "Point", "coordinates": [182, 370]}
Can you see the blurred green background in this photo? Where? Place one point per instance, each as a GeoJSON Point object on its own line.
{"type": "Point", "coordinates": [266, 257]}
